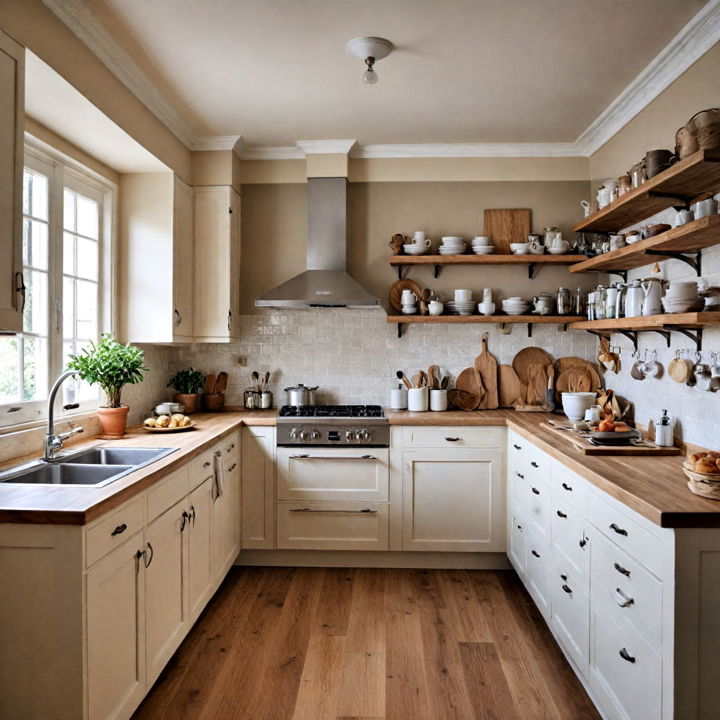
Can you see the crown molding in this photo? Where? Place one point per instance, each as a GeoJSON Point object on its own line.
{"type": "Point", "coordinates": [326, 147]}
{"type": "Point", "coordinates": [90, 31]}
{"type": "Point", "coordinates": [271, 152]}
{"type": "Point", "coordinates": [686, 48]}
{"type": "Point", "coordinates": [217, 142]}
{"type": "Point", "coordinates": [468, 150]}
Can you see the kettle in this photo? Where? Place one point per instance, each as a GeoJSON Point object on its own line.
{"type": "Point", "coordinates": [634, 299]}
{"type": "Point", "coordinates": [653, 292]}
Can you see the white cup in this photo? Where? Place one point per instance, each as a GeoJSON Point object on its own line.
{"type": "Point", "coordinates": [435, 307]}
{"type": "Point", "coordinates": [408, 297]}
{"type": "Point", "coordinates": [481, 241]}
{"type": "Point", "coordinates": [438, 400]}
{"type": "Point", "coordinates": [423, 243]}
{"type": "Point", "coordinates": [705, 208]}
{"type": "Point", "coordinates": [419, 236]}
{"type": "Point", "coordinates": [398, 399]}
{"type": "Point", "coordinates": [463, 296]}
{"type": "Point", "coordinates": [409, 309]}
{"type": "Point", "coordinates": [418, 399]}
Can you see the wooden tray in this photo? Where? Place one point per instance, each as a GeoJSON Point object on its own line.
{"type": "Point", "coordinates": [584, 445]}
{"type": "Point", "coordinates": [191, 426]}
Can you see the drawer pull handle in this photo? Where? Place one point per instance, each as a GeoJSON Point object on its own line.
{"type": "Point", "coordinates": [567, 589]}
{"type": "Point", "coordinates": [364, 511]}
{"type": "Point", "coordinates": [519, 527]}
{"type": "Point", "coordinates": [563, 577]}
{"type": "Point", "coordinates": [231, 448]}
{"type": "Point", "coordinates": [618, 530]}
{"type": "Point", "coordinates": [517, 447]}
{"type": "Point", "coordinates": [622, 570]}
{"type": "Point", "coordinates": [520, 475]}
{"type": "Point", "coordinates": [567, 487]}
{"type": "Point", "coordinates": [561, 514]}
{"type": "Point", "coordinates": [625, 655]}
{"type": "Point", "coordinates": [192, 514]}
{"type": "Point", "coordinates": [534, 464]}
{"type": "Point", "coordinates": [622, 599]}
{"type": "Point", "coordinates": [535, 490]}
{"type": "Point", "coordinates": [456, 439]}
{"type": "Point", "coordinates": [333, 457]}
{"type": "Point", "coordinates": [144, 554]}
{"type": "Point", "coordinates": [583, 542]}
{"type": "Point", "coordinates": [119, 530]}
{"type": "Point", "coordinates": [206, 464]}
{"type": "Point", "coordinates": [232, 467]}
{"type": "Point", "coordinates": [535, 553]}
{"type": "Point", "coordinates": [184, 520]}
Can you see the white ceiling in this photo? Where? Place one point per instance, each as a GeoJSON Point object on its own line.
{"type": "Point", "coordinates": [499, 71]}
{"type": "Point", "coordinates": [53, 102]}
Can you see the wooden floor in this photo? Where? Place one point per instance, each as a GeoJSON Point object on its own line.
{"type": "Point", "coordinates": [313, 643]}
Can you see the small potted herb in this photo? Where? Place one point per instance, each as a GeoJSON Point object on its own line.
{"type": "Point", "coordinates": [187, 385]}
{"type": "Point", "coordinates": [111, 365]}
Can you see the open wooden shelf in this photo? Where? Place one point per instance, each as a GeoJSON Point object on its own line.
{"type": "Point", "coordinates": [675, 243]}
{"type": "Point", "coordinates": [696, 175]}
{"type": "Point", "coordinates": [402, 261]}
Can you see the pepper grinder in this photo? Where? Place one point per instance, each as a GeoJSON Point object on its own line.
{"type": "Point", "coordinates": [664, 431]}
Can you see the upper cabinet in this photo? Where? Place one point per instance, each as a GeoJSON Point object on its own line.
{"type": "Point", "coordinates": [217, 263]}
{"type": "Point", "coordinates": [12, 111]}
{"type": "Point", "coordinates": [157, 256]}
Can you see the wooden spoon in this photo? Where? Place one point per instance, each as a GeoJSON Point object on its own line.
{"type": "Point", "coordinates": [256, 379]}
{"type": "Point", "coordinates": [401, 376]}
{"type": "Point", "coordinates": [433, 372]}
{"type": "Point", "coordinates": [221, 382]}
{"type": "Point", "coordinates": [210, 381]}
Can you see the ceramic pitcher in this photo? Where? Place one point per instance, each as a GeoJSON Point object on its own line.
{"type": "Point", "coordinates": [652, 288]}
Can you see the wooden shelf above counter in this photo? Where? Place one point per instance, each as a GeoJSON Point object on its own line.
{"type": "Point", "coordinates": [438, 261]}
{"type": "Point", "coordinates": [529, 320]}
{"type": "Point", "coordinates": [688, 179]}
{"type": "Point", "coordinates": [682, 243]}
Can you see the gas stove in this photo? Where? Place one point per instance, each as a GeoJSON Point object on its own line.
{"type": "Point", "coordinates": [333, 425]}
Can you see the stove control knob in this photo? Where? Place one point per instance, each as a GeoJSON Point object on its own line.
{"type": "Point", "coordinates": [363, 435]}
{"type": "Point", "coordinates": [294, 433]}
{"type": "Point", "coordinates": [303, 435]}
{"type": "Point", "coordinates": [315, 435]}
{"type": "Point", "coordinates": [350, 435]}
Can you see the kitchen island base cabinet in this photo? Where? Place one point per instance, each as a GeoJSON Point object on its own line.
{"type": "Point", "coordinates": [258, 488]}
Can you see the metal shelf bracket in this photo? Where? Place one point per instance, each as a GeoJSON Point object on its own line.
{"type": "Point", "coordinates": [436, 271]}
{"type": "Point", "coordinates": [693, 259]}
{"type": "Point", "coordinates": [696, 335]}
{"type": "Point", "coordinates": [531, 270]}
{"type": "Point", "coordinates": [400, 330]}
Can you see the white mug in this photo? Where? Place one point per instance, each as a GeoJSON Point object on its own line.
{"type": "Point", "coordinates": [419, 236]}
{"type": "Point", "coordinates": [684, 216]}
{"type": "Point", "coordinates": [592, 414]}
{"type": "Point", "coordinates": [398, 399]}
{"type": "Point", "coordinates": [435, 307]}
{"type": "Point", "coordinates": [463, 296]}
{"type": "Point", "coordinates": [481, 241]}
{"type": "Point", "coordinates": [408, 297]}
{"type": "Point", "coordinates": [423, 243]}
{"type": "Point", "coordinates": [705, 208]}
{"type": "Point", "coordinates": [438, 400]}
{"type": "Point", "coordinates": [418, 399]}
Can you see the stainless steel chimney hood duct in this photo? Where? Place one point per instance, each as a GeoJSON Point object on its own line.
{"type": "Point", "coordinates": [326, 282]}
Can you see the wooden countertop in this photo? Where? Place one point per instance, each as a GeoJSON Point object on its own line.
{"type": "Point", "coordinates": [655, 487]}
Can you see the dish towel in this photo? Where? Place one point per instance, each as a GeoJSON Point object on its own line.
{"type": "Point", "coordinates": [219, 473]}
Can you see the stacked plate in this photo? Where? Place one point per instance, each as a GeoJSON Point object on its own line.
{"type": "Point", "coordinates": [515, 306]}
{"type": "Point", "coordinates": [683, 297]}
{"type": "Point", "coordinates": [460, 308]}
{"type": "Point", "coordinates": [452, 245]}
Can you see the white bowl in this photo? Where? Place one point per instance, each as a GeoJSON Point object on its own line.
{"type": "Point", "coordinates": [452, 238]}
{"type": "Point", "coordinates": [414, 249]}
{"type": "Point", "coordinates": [483, 249]}
{"type": "Point", "coordinates": [519, 248]}
{"type": "Point", "coordinates": [557, 251]}
{"type": "Point", "coordinates": [486, 308]}
{"type": "Point", "coordinates": [575, 404]}
{"type": "Point", "coordinates": [482, 240]}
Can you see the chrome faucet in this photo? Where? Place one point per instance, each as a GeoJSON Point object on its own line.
{"type": "Point", "coordinates": [55, 442]}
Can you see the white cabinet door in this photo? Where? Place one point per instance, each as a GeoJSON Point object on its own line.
{"type": "Point", "coordinates": [225, 518]}
{"type": "Point", "coordinates": [570, 615]}
{"type": "Point", "coordinates": [184, 270]}
{"type": "Point", "coordinates": [115, 596]}
{"type": "Point", "coordinates": [537, 570]}
{"type": "Point", "coordinates": [165, 592]}
{"type": "Point", "coordinates": [199, 532]}
{"type": "Point", "coordinates": [453, 500]}
{"type": "Point", "coordinates": [12, 113]}
{"type": "Point", "coordinates": [516, 548]}
{"type": "Point", "coordinates": [258, 488]}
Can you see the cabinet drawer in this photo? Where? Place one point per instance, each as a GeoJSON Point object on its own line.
{"type": "Point", "coordinates": [332, 526]}
{"type": "Point", "coordinates": [625, 672]}
{"type": "Point", "coordinates": [626, 533]}
{"type": "Point", "coordinates": [166, 493]}
{"type": "Point", "coordinates": [537, 506]}
{"type": "Point", "coordinates": [201, 467]}
{"type": "Point", "coordinates": [113, 530]}
{"type": "Point", "coordinates": [569, 541]}
{"type": "Point", "coordinates": [571, 616]}
{"type": "Point", "coordinates": [454, 436]}
{"type": "Point", "coordinates": [567, 487]}
{"type": "Point", "coordinates": [537, 571]}
{"type": "Point", "coordinates": [626, 591]}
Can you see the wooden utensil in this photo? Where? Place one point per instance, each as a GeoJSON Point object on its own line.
{"type": "Point", "coordinates": [221, 382]}
{"type": "Point", "coordinates": [550, 392]}
{"type": "Point", "coordinates": [486, 366]}
{"type": "Point", "coordinates": [470, 381]}
{"type": "Point", "coordinates": [256, 379]}
{"type": "Point", "coordinates": [433, 379]}
{"type": "Point", "coordinates": [537, 384]}
{"type": "Point", "coordinates": [416, 379]}
{"type": "Point", "coordinates": [210, 381]}
{"type": "Point", "coordinates": [510, 392]}
{"type": "Point", "coordinates": [266, 380]}
{"type": "Point", "coordinates": [462, 399]}
{"type": "Point", "coordinates": [401, 376]}
{"type": "Point", "coordinates": [423, 379]}
{"type": "Point", "coordinates": [506, 226]}
{"type": "Point", "coordinates": [396, 290]}
{"type": "Point", "coordinates": [527, 357]}
{"type": "Point", "coordinates": [445, 382]}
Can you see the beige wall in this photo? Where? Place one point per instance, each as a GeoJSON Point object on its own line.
{"type": "Point", "coordinates": [696, 89]}
{"type": "Point", "coordinates": [274, 231]}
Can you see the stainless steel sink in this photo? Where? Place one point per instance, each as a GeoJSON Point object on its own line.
{"type": "Point", "coordinates": [67, 474]}
{"type": "Point", "coordinates": [106, 455]}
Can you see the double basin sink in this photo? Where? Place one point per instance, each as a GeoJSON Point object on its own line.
{"type": "Point", "coordinates": [94, 467]}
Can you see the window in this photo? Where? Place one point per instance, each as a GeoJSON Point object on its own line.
{"type": "Point", "coordinates": [64, 228]}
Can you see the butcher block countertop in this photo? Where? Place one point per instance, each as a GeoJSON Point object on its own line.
{"type": "Point", "coordinates": [655, 487]}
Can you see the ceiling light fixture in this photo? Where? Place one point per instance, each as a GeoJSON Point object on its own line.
{"type": "Point", "coordinates": [370, 50]}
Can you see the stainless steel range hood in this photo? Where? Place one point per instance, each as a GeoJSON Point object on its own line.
{"type": "Point", "coordinates": [326, 282]}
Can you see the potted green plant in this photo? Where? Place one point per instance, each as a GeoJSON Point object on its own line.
{"type": "Point", "coordinates": [187, 385]}
{"type": "Point", "coordinates": [111, 365]}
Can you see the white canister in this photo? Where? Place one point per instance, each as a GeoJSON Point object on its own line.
{"type": "Point", "coordinates": [417, 399]}
{"type": "Point", "coordinates": [398, 399]}
{"type": "Point", "coordinates": [438, 400]}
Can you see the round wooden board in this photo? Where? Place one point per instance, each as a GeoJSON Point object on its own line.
{"type": "Point", "coordinates": [396, 292]}
{"type": "Point", "coordinates": [571, 380]}
{"type": "Point", "coordinates": [530, 356]}
{"type": "Point", "coordinates": [469, 381]}
{"type": "Point", "coordinates": [462, 399]}
{"type": "Point", "coordinates": [510, 392]}
{"type": "Point", "coordinates": [571, 363]}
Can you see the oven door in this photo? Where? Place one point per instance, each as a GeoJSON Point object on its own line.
{"type": "Point", "coordinates": [321, 473]}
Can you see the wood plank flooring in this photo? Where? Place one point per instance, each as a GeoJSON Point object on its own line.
{"type": "Point", "coordinates": [366, 644]}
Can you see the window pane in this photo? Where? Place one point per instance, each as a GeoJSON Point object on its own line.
{"type": "Point", "coordinates": [68, 308]}
{"type": "Point", "coordinates": [86, 310]}
{"type": "Point", "coordinates": [35, 244]}
{"type": "Point", "coordinates": [87, 258]}
{"type": "Point", "coordinates": [35, 196]}
{"type": "Point", "coordinates": [35, 369]}
{"type": "Point", "coordinates": [9, 369]}
{"type": "Point", "coordinates": [36, 302]}
{"type": "Point", "coordinates": [87, 217]}
{"type": "Point", "coordinates": [68, 253]}
{"type": "Point", "coordinates": [68, 210]}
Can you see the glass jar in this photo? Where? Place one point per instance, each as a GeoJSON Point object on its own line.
{"type": "Point", "coordinates": [600, 302]}
{"type": "Point", "coordinates": [563, 301]}
{"type": "Point", "coordinates": [251, 399]}
{"type": "Point", "coordinates": [579, 303]}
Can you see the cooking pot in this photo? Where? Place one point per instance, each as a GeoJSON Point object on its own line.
{"type": "Point", "coordinates": [300, 395]}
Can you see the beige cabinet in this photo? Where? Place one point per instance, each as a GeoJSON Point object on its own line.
{"type": "Point", "coordinates": [217, 263]}
{"type": "Point", "coordinates": [115, 597]}
{"type": "Point", "coordinates": [225, 511]}
{"type": "Point", "coordinates": [258, 488]}
{"type": "Point", "coordinates": [453, 500]}
{"type": "Point", "coordinates": [12, 113]}
{"type": "Point", "coordinates": [199, 533]}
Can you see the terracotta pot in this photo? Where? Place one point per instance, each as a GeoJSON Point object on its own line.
{"type": "Point", "coordinates": [213, 402]}
{"type": "Point", "coordinates": [188, 401]}
{"type": "Point", "coordinates": [113, 421]}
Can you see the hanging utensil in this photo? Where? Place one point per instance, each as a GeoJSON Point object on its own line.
{"type": "Point", "coordinates": [433, 373]}
{"type": "Point", "coordinates": [636, 369]}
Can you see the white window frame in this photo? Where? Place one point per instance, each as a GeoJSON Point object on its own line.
{"type": "Point", "coordinates": [62, 171]}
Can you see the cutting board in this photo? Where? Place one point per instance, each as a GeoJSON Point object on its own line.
{"type": "Point", "coordinates": [587, 448]}
{"type": "Point", "coordinates": [510, 392]}
{"type": "Point", "coordinates": [486, 365]}
{"type": "Point", "coordinates": [470, 381]}
{"type": "Point", "coordinates": [462, 399]}
{"type": "Point", "coordinates": [505, 227]}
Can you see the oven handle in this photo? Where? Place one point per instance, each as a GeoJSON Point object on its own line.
{"type": "Point", "coordinates": [333, 457]}
{"type": "Point", "coordinates": [364, 511]}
